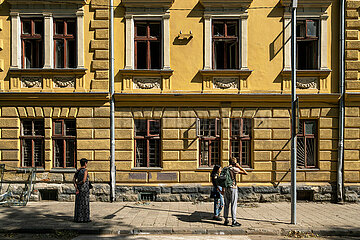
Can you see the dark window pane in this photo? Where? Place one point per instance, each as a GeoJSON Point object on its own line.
{"type": "Point", "coordinates": [59, 27]}
{"type": "Point", "coordinates": [300, 152]}
{"type": "Point", "coordinates": [219, 29]}
{"type": "Point", "coordinates": [59, 153]}
{"type": "Point", "coordinates": [204, 149]}
{"type": "Point", "coordinates": [310, 152]}
{"type": "Point", "coordinates": [71, 54]}
{"type": "Point", "coordinates": [38, 54]}
{"type": "Point", "coordinates": [307, 52]}
{"type": "Point", "coordinates": [70, 128]}
{"type": "Point", "coordinates": [245, 153]}
{"type": "Point", "coordinates": [27, 128]}
{"type": "Point", "coordinates": [215, 153]}
{"type": "Point", "coordinates": [155, 52]}
{"type": "Point", "coordinates": [70, 153]}
{"type": "Point", "coordinates": [140, 127]}
{"type": "Point", "coordinates": [246, 127]}
{"type": "Point", "coordinates": [154, 152]}
{"type": "Point", "coordinates": [232, 53]}
{"type": "Point", "coordinates": [141, 29]}
{"type": "Point", "coordinates": [39, 128]}
{"type": "Point", "coordinates": [141, 154]}
{"type": "Point", "coordinates": [39, 27]}
{"type": "Point", "coordinates": [235, 149]}
{"type": "Point", "coordinates": [219, 48]}
{"type": "Point", "coordinates": [27, 152]}
{"type": "Point", "coordinates": [311, 28]}
{"type": "Point", "coordinates": [310, 127]}
{"type": "Point", "coordinates": [300, 29]}
{"type": "Point", "coordinates": [141, 55]}
{"type": "Point", "coordinates": [26, 27]}
{"type": "Point", "coordinates": [38, 152]}
{"type": "Point", "coordinates": [59, 53]}
{"type": "Point", "coordinates": [235, 127]}
{"type": "Point", "coordinates": [58, 128]}
{"type": "Point", "coordinates": [28, 54]}
{"type": "Point", "coordinates": [71, 27]}
{"type": "Point", "coordinates": [232, 29]}
{"type": "Point", "coordinates": [155, 29]}
{"type": "Point", "coordinates": [154, 127]}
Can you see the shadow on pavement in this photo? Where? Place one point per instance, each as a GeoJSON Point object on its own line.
{"type": "Point", "coordinates": [197, 216]}
{"type": "Point", "coordinates": [262, 220]}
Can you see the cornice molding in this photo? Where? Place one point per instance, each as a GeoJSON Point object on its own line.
{"type": "Point", "coordinates": [308, 3]}
{"type": "Point", "coordinates": [54, 96]}
{"type": "Point", "coordinates": [226, 3]}
{"type": "Point", "coordinates": [148, 3]}
{"type": "Point", "coordinates": [35, 2]}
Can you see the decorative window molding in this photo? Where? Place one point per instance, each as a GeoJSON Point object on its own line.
{"type": "Point", "coordinates": [64, 82]}
{"type": "Point", "coordinates": [49, 11]}
{"type": "Point", "coordinates": [307, 83]}
{"type": "Point", "coordinates": [226, 82]}
{"type": "Point", "coordinates": [31, 82]}
{"type": "Point", "coordinates": [147, 82]}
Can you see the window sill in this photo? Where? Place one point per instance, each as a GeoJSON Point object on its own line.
{"type": "Point", "coordinates": [308, 73]}
{"type": "Point", "coordinates": [46, 70]}
{"type": "Point", "coordinates": [146, 169]}
{"type": "Point", "coordinates": [63, 170]}
{"type": "Point", "coordinates": [146, 72]}
{"type": "Point", "coordinates": [307, 169]}
{"type": "Point", "coordinates": [27, 169]}
{"type": "Point", "coordinates": [204, 168]}
{"type": "Point", "coordinates": [226, 72]}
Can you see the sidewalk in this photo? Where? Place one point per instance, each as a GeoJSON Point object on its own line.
{"type": "Point", "coordinates": [182, 218]}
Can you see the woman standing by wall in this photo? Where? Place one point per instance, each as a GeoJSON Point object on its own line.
{"type": "Point", "coordinates": [81, 183]}
{"type": "Point", "coordinates": [217, 193]}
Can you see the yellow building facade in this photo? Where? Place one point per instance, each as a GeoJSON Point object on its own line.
{"type": "Point", "coordinates": [196, 82]}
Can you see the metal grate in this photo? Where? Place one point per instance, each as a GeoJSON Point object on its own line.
{"type": "Point", "coordinates": [147, 196]}
{"type": "Point", "coordinates": [305, 195]}
{"type": "Point", "coordinates": [48, 194]}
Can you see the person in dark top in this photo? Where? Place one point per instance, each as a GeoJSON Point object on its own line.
{"type": "Point", "coordinates": [81, 183]}
{"type": "Point", "coordinates": [217, 193]}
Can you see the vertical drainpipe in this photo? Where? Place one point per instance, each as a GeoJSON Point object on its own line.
{"type": "Point", "coordinates": [340, 167]}
{"type": "Point", "coordinates": [112, 107]}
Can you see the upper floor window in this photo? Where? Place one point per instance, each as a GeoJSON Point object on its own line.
{"type": "Point", "coordinates": [241, 140]}
{"type": "Point", "coordinates": [209, 131]}
{"type": "Point", "coordinates": [32, 42]}
{"type": "Point", "coordinates": [225, 38]}
{"type": "Point", "coordinates": [148, 45]}
{"type": "Point", "coordinates": [65, 43]}
{"type": "Point", "coordinates": [307, 144]}
{"type": "Point", "coordinates": [64, 142]}
{"type": "Point", "coordinates": [147, 143]}
{"type": "Point", "coordinates": [307, 34]}
{"type": "Point", "coordinates": [32, 143]}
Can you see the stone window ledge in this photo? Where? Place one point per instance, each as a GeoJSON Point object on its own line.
{"type": "Point", "coordinates": [323, 73]}
{"type": "Point", "coordinates": [226, 72]}
{"type": "Point", "coordinates": [226, 3]}
{"type": "Point", "coordinates": [145, 72]}
{"type": "Point", "coordinates": [63, 170]}
{"type": "Point", "coordinates": [307, 169]}
{"type": "Point", "coordinates": [148, 3]}
{"type": "Point", "coordinates": [26, 169]}
{"type": "Point", "coordinates": [140, 169]}
{"type": "Point", "coordinates": [53, 71]}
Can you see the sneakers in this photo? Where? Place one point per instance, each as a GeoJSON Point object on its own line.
{"type": "Point", "coordinates": [235, 224]}
{"type": "Point", "coordinates": [217, 218]}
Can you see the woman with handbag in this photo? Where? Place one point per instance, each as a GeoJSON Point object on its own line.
{"type": "Point", "coordinates": [82, 200]}
{"type": "Point", "coordinates": [217, 193]}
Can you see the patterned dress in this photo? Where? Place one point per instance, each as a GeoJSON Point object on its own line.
{"type": "Point", "coordinates": [82, 206]}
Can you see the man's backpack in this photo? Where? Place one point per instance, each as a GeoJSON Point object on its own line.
{"type": "Point", "coordinates": [225, 180]}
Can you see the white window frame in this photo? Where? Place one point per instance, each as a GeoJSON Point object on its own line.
{"type": "Point", "coordinates": [302, 14]}
{"type": "Point", "coordinates": [243, 36]}
{"type": "Point", "coordinates": [48, 16]}
{"type": "Point", "coordinates": [130, 19]}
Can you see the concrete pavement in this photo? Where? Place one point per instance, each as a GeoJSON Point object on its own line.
{"type": "Point", "coordinates": [183, 218]}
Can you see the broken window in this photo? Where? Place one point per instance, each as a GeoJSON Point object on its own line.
{"type": "Point", "coordinates": [225, 36]}
{"type": "Point", "coordinates": [147, 143]}
{"type": "Point", "coordinates": [241, 140]}
{"type": "Point", "coordinates": [32, 45]}
{"type": "Point", "coordinates": [32, 143]}
{"type": "Point", "coordinates": [209, 131]}
{"type": "Point", "coordinates": [64, 143]}
{"type": "Point", "coordinates": [148, 45]}
{"type": "Point", "coordinates": [307, 35]}
{"type": "Point", "coordinates": [307, 144]}
{"type": "Point", "coordinates": [65, 43]}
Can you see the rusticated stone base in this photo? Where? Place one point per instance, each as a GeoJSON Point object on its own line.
{"type": "Point", "coordinates": [186, 193]}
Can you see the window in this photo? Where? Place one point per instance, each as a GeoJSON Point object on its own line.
{"type": "Point", "coordinates": [241, 140]}
{"type": "Point", "coordinates": [65, 43]}
{"type": "Point", "coordinates": [147, 143]}
{"type": "Point", "coordinates": [148, 45]}
{"type": "Point", "coordinates": [307, 144]}
{"type": "Point", "coordinates": [64, 140]}
{"type": "Point", "coordinates": [209, 131]}
{"type": "Point", "coordinates": [32, 33]}
{"type": "Point", "coordinates": [307, 35]}
{"type": "Point", "coordinates": [32, 143]}
{"type": "Point", "coordinates": [225, 36]}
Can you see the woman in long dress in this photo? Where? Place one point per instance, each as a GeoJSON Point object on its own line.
{"type": "Point", "coordinates": [81, 183]}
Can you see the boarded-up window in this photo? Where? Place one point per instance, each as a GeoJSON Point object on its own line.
{"type": "Point", "coordinates": [241, 140]}
{"type": "Point", "coordinates": [147, 143]}
{"type": "Point", "coordinates": [209, 131]}
{"type": "Point", "coordinates": [307, 144]}
{"type": "Point", "coordinates": [32, 42]}
{"type": "Point", "coordinates": [307, 34]}
{"type": "Point", "coordinates": [225, 38]}
{"type": "Point", "coordinates": [64, 143]}
{"type": "Point", "coordinates": [32, 143]}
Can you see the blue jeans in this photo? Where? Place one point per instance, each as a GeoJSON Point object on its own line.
{"type": "Point", "coordinates": [218, 204]}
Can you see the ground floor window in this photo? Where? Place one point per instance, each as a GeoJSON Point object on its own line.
{"type": "Point", "coordinates": [208, 131]}
{"type": "Point", "coordinates": [64, 142]}
{"type": "Point", "coordinates": [241, 140]}
{"type": "Point", "coordinates": [307, 144]}
{"type": "Point", "coordinates": [32, 142]}
{"type": "Point", "coordinates": [147, 143]}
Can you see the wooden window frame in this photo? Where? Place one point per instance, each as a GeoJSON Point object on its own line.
{"type": "Point", "coordinates": [38, 38]}
{"type": "Point", "coordinates": [309, 136]}
{"type": "Point", "coordinates": [210, 139]}
{"type": "Point", "coordinates": [65, 138]}
{"type": "Point", "coordinates": [148, 137]}
{"type": "Point", "coordinates": [306, 38]}
{"type": "Point", "coordinates": [148, 39]}
{"type": "Point", "coordinates": [240, 139]}
{"type": "Point", "coordinates": [32, 137]}
{"type": "Point", "coordinates": [66, 38]}
{"type": "Point", "coordinates": [225, 38]}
